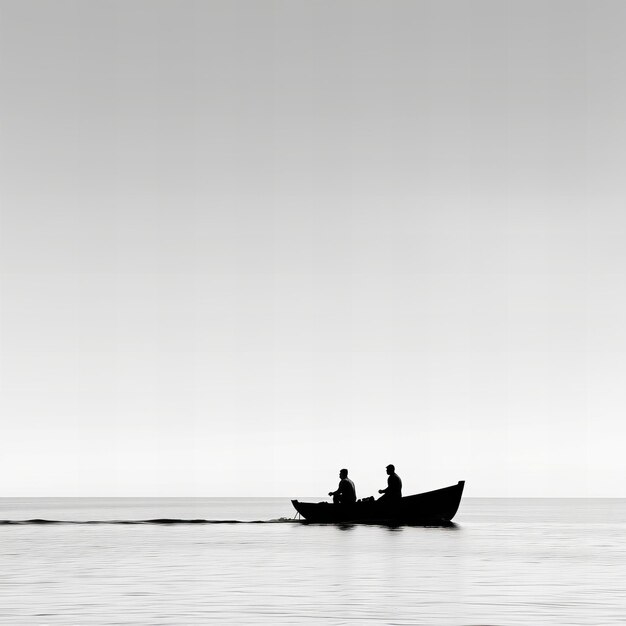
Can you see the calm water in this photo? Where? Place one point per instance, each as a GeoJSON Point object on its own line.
{"type": "Point", "coordinates": [507, 561]}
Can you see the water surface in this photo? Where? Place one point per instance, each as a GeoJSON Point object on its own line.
{"type": "Point", "coordinates": [504, 562]}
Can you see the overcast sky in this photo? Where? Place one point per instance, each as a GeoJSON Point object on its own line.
{"type": "Point", "coordinates": [245, 244]}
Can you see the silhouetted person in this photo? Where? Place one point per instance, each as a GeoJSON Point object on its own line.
{"type": "Point", "coordinates": [346, 492]}
{"type": "Point", "coordinates": [394, 486]}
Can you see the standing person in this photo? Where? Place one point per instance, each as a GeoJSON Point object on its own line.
{"type": "Point", "coordinates": [346, 492]}
{"type": "Point", "coordinates": [394, 485]}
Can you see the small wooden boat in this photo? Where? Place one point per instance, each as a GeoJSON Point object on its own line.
{"type": "Point", "coordinates": [431, 507]}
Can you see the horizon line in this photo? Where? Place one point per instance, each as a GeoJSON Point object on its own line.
{"type": "Point", "coordinates": [145, 497]}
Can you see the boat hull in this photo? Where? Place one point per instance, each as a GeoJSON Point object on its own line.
{"type": "Point", "coordinates": [431, 507]}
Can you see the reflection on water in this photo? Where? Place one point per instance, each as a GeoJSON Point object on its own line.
{"type": "Point", "coordinates": [388, 526]}
{"type": "Point", "coordinates": [503, 562]}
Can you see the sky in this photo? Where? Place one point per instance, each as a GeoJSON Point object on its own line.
{"type": "Point", "coordinates": [246, 244]}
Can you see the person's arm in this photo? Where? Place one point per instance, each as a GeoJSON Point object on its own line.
{"type": "Point", "coordinates": [332, 493]}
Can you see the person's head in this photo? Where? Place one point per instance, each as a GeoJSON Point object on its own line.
{"type": "Point", "coordinates": [343, 473]}
{"type": "Point", "coordinates": [390, 469]}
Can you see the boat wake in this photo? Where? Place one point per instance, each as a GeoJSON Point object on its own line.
{"type": "Point", "coordinates": [165, 521]}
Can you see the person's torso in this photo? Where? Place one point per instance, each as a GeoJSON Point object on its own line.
{"type": "Point", "coordinates": [395, 485]}
{"type": "Point", "coordinates": [348, 490]}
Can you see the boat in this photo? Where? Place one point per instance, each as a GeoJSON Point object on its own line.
{"type": "Point", "coordinates": [436, 507]}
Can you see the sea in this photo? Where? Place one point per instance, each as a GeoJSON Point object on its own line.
{"type": "Point", "coordinates": [80, 561]}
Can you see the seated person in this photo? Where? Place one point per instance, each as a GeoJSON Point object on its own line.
{"type": "Point", "coordinates": [394, 486]}
{"type": "Point", "coordinates": [346, 492]}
